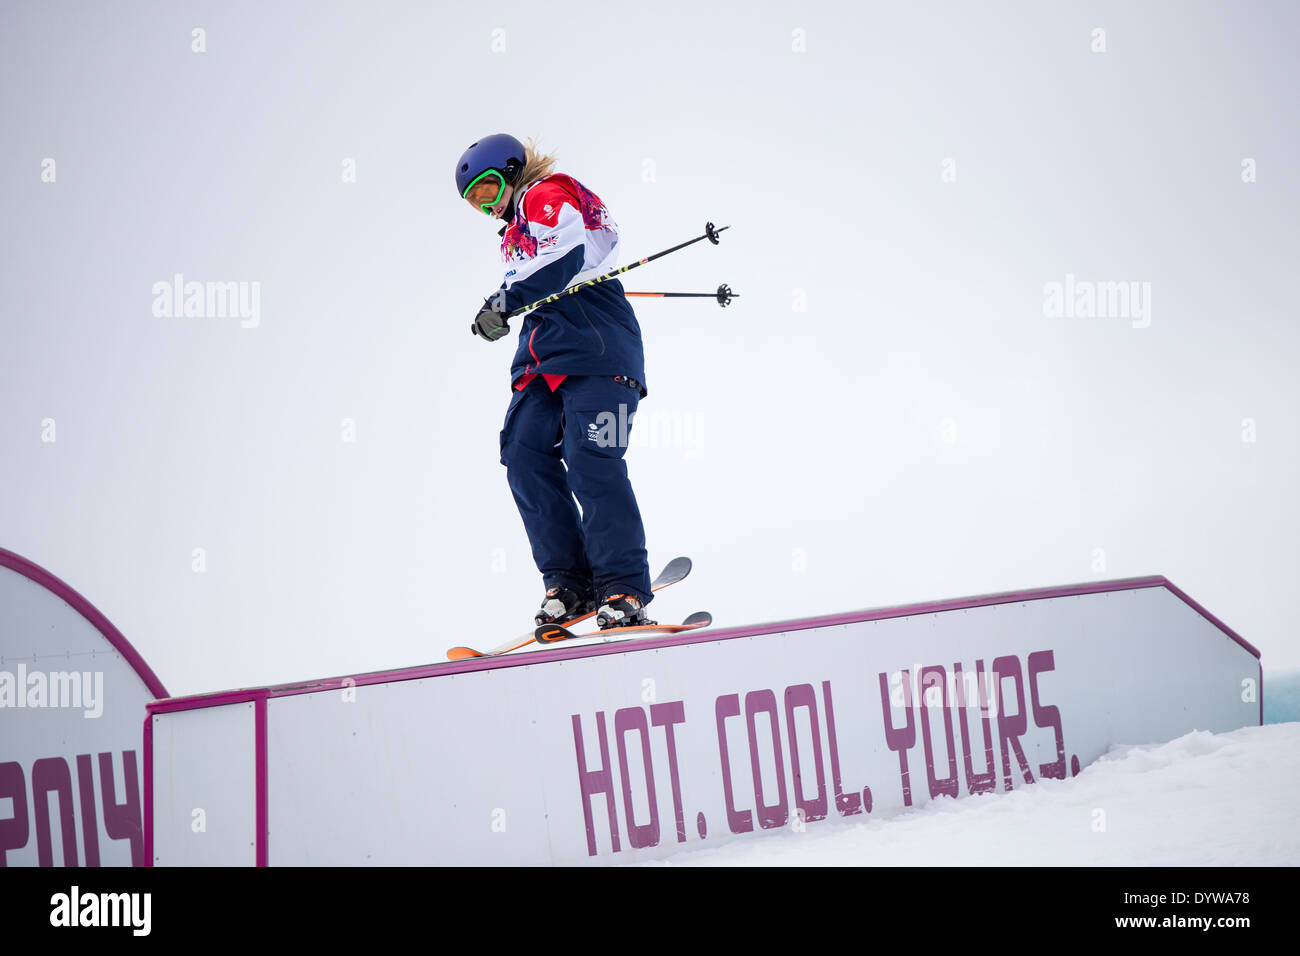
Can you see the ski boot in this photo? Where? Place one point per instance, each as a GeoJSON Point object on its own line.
{"type": "Point", "coordinates": [621, 610]}
{"type": "Point", "coordinates": [562, 605]}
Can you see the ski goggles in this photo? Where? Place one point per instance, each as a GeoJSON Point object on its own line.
{"type": "Point", "coordinates": [485, 190]}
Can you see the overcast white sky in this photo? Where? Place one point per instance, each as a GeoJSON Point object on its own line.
{"type": "Point", "coordinates": [888, 414]}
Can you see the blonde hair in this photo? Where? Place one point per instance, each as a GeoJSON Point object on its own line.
{"type": "Point", "coordinates": [537, 165]}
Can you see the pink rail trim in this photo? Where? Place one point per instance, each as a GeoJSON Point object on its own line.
{"type": "Point", "coordinates": [707, 635]}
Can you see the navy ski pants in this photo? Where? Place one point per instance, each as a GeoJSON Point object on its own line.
{"type": "Point", "coordinates": [585, 422]}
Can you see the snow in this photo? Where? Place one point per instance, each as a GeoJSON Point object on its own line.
{"type": "Point", "coordinates": [1201, 800]}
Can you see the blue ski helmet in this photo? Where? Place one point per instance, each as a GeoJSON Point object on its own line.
{"type": "Point", "coordinates": [500, 151]}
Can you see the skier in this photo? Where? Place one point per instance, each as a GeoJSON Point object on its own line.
{"type": "Point", "coordinates": [576, 379]}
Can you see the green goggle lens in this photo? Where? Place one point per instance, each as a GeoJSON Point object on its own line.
{"type": "Point", "coordinates": [485, 190]}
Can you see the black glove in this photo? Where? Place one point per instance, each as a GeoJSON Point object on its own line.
{"type": "Point", "coordinates": [490, 323]}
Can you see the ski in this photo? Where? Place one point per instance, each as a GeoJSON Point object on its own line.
{"type": "Point", "coordinates": [674, 571]}
{"type": "Point", "coordinates": [553, 633]}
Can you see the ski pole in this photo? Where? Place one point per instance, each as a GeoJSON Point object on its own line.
{"type": "Point", "coordinates": [724, 295]}
{"type": "Point", "coordinates": [710, 233]}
